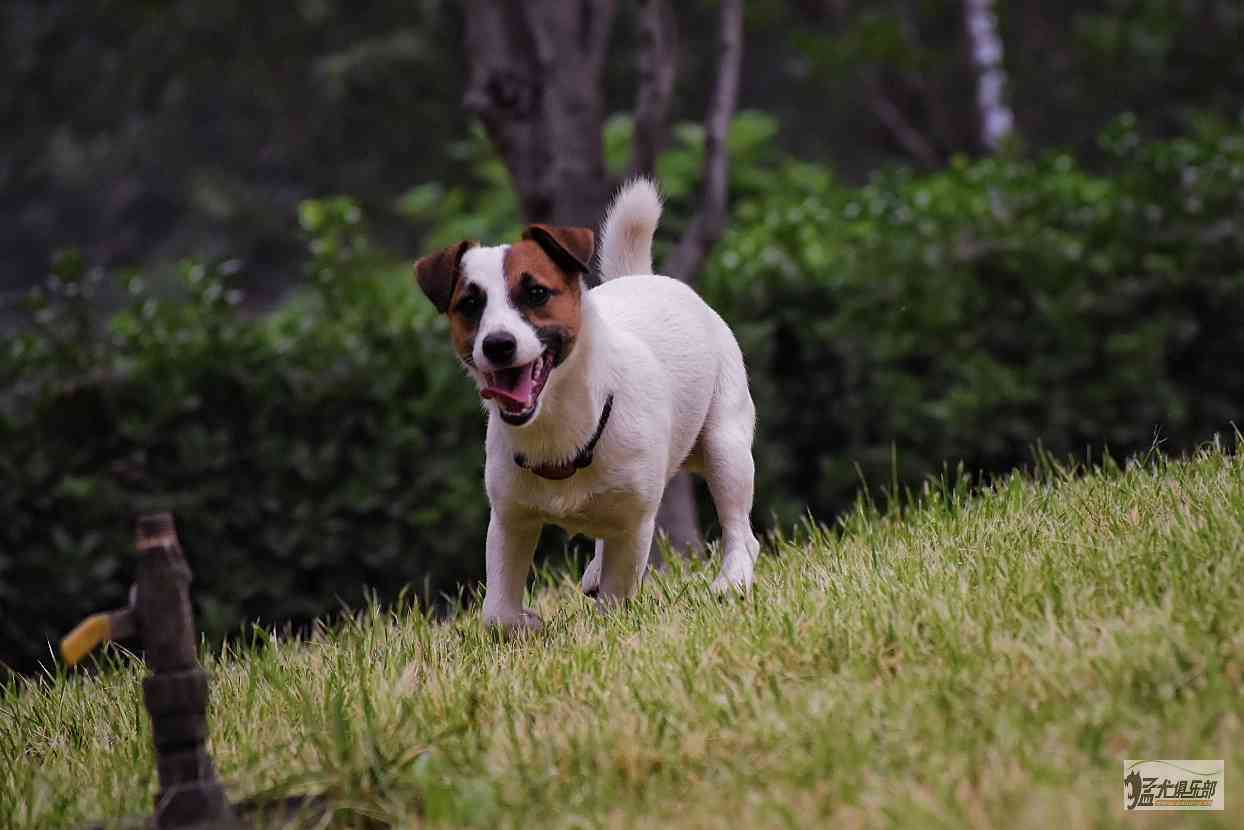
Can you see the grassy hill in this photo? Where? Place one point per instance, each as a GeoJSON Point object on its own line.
{"type": "Point", "coordinates": [971, 660]}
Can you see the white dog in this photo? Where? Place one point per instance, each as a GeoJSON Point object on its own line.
{"type": "Point", "coordinates": [595, 399]}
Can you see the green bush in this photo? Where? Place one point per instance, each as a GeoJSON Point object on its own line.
{"type": "Point", "coordinates": [972, 313]}
{"type": "Point", "coordinates": [331, 446]}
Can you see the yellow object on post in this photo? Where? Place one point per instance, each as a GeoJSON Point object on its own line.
{"type": "Point", "coordinates": [89, 633]}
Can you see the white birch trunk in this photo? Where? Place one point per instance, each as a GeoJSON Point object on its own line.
{"type": "Point", "coordinates": [996, 119]}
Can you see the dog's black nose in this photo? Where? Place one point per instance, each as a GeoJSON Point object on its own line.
{"type": "Point", "coordinates": [500, 347]}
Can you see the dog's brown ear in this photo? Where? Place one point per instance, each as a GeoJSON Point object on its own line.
{"type": "Point", "coordinates": [438, 273]}
{"type": "Point", "coordinates": [571, 248]}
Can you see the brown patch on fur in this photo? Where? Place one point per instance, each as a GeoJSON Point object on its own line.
{"type": "Point", "coordinates": [438, 273]}
{"type": "Point", "coordinates": [463, 325]}
{"type": "Point", "coordinates": [439, 276]}
{"type": "Point", "coordinates": [557, 320]}
{"type": "Point", "coordinates": [570, 248]}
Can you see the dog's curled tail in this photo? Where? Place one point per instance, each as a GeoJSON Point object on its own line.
{"type": "Point", "coordinates": [626, 234]}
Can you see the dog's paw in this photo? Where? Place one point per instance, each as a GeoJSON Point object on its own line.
{"type": "Point", "coordinates": [530, 621]}
{"type": "Point", "coordinates": [525, 622]}
{"type": "Point", "coordinates": [735, 579]}
{"type": "Point", "coordinates": [737, 571]}
{"type": "Point", "coordinates": [590, 584]}
{"type": "Point", "coordinates": [606, 604]}
{"type": "Point", "coordinates": [723, 586]}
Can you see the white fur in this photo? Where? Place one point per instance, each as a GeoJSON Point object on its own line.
{"type": "Point", "coordinates": [484, 267]}
{"type": "Point", "coordinates": [680, 400]}
{"type": "Point", "coordinates": [626, 235]}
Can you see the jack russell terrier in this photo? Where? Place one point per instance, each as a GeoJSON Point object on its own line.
{"type": "Point", "coordinates": [595, 399]}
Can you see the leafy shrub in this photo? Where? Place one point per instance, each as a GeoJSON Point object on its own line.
{"type": "Point", "coordinates": [971, 313]}
{"type": "Point", "coordinates": [331, 446]}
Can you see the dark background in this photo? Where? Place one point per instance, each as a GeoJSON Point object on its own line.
{"type": "Point", "coordinates": [146, 131]}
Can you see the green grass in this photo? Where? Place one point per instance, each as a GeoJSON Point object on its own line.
{"type": "Point", "coordinates": [971, 660]}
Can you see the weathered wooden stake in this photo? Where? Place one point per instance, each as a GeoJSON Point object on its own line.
{"type": "Point", "coordinates": [160, 615]}
{"type": "Point", "coordinates": [176, 691]}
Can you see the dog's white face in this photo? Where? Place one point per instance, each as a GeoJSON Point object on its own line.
{"type": "Point", "coordinates": [514, 311]}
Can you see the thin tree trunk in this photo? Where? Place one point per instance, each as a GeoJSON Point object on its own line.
{"type": "Point", "coordinates": [658, 67]}
{"type": "Point", "coordinates": [708, 225]}
{"type": "Point", "coordinates": [535, 83]}
{"type": "Point", "coordinates": [996, 119]}
{"type": "Point", "coordinates": [677, 517]}
{"type": "Point", "coordinates": [900, 127]}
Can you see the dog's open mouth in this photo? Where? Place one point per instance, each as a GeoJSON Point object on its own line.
{"type": "Point", "coordinates": [517, 389]}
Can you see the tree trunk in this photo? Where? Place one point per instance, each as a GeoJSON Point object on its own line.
{"type": "Point", "coordinates": [535, 83]}
{"type": "Point", "coordinates": [694, 247]}
{"type": "Point", "coordinates": [658, 67]}
{"type": "Point", "coordinates": [996, 119]}
{"type": "Point", "coordinates": [678, 517]}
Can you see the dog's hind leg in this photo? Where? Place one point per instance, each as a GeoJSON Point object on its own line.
{"type": "Point", "coordinates": [623, 560]}
{"type": "Point", "coordinates": [730, 472]}
{"type": "Point", "coordinates": [591, 574]}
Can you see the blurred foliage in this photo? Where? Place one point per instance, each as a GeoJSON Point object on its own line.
{"type": "Point", "coordinates": [154, 131]}
{"type": "Point", "coordinates": [975, 312]}
{"type": "Point", "coordinates": [1072, 66]}
{"type": "Point", "coordinates": [484, 207]}
{"type": "Point", "coordinates": [309, 454]}
{"type": "Point", "coordinates": [150, 131]}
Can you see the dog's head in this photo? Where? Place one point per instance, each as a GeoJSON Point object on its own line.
{"type": "Point", "coordinates": [514, 310]}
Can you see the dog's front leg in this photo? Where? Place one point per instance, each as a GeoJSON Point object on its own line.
{"type": "Point", "coordinates": [623, 560]}
{"type": "Point", "coordinates": [512, 541]}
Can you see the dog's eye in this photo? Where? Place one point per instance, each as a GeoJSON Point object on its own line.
{"type": "Point", "coordinates": [537, 295]}
{"type": "Point", "coordinates": [470, 306]}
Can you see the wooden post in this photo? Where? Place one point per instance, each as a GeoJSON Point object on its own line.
{"type": "Point", "coordinates": [176, 690]}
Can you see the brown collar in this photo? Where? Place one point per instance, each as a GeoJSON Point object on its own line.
{"type": "Point", "coordinates": [557, 472]}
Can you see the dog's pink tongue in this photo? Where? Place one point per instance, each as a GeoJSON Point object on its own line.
{"type": "Point", "coordinates": [511, 387]}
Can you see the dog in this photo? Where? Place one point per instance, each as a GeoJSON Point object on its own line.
{"type": "Point", "coordinates": [595, 399]}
